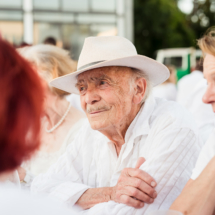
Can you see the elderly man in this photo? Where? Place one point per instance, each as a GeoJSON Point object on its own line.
{"type": "Point", "coordinates": [136, 153]}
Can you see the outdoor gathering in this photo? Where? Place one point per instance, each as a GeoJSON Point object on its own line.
{"type": "Point", "coordinates": [107, 107]}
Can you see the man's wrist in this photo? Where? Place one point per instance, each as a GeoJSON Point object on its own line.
{"type": "Point", "coordinates": [112, 193]}
{"type": "Point", "coordinates": [94, 196]}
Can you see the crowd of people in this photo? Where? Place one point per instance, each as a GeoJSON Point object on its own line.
{"type": "Point", "coordinates": [114, 135]}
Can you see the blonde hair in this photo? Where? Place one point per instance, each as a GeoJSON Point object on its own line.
{"type": "Point", "coordinates": [207, 42]}
{"type": "Point", "coordinates": [51, 61]}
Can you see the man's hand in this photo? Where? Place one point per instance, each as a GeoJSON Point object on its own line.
{"type": "Point", "coordinates": [134, 187]}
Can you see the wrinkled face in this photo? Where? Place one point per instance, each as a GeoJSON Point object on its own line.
{"type": "Point", "coordinates": [209, 74]}
{"type": "Point", "coordinates": [106, 97]}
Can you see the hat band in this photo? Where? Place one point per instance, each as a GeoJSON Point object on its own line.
{"type": "Point", "coordinates": [90, 64]}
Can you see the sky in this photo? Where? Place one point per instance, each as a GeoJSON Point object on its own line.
{"type": "Point", "coordinates": [185, 5]}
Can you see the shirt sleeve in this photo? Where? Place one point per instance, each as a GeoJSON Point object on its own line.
{"type": "Point", "coordinates": [64, 179]}
{"type": "Point", "coordinates": [170, 163]}
{"type": "Point", "coordinates": [206, 154]}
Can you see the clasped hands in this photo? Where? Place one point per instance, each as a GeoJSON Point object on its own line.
{"type": "Point", "coordinates": [134, 187]}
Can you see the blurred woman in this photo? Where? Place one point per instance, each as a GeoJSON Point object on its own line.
{"type": "Point", "coordinates": [198, 196]}
{"type": "Point", "coordinates": [167, 90]}
{"type": "Point", "coordinates": [20, 111]}
{"type": "Point", "coordinates": [60, 121]}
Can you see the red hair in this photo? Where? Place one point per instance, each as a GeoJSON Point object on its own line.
{"type": "Point", "coordinates": [21, 103]}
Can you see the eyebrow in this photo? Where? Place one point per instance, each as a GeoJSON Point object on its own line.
{"type": "Point", "coordinates": [105, 77]}
{"type": "Point", "coordinates": [81, 81]}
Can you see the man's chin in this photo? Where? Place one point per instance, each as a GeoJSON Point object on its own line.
{"type": "Point", "coordinates": [97, 125]}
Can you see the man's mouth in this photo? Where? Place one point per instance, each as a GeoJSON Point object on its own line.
{"type": "Point", "coordinates": [98, 111]}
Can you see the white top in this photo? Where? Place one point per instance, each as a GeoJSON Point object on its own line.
{"type": "Point", "coordinates": [191, 89]}
{"type": "Point", "coordinates": [162, 132]}
{"type": "Point", "coordinates": [74, 100]}
{"type": "Point", "coordinates": [206, 154]}
{"type": "Point", "coordinates": [41, 162]}
{"type": "Point", "coordinates": [167, 91]}
{"type": "Point", "coordinates": [14, 201]}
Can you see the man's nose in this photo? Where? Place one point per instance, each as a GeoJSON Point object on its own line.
{"type": "Point", "coordinates": [92, 95]}
{"type": "Point", "coordinates": [207, 97]}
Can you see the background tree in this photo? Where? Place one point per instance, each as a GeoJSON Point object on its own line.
{"type": "Point", "coordinates": [202, 16]}
{"type": "Point", "coordinates": [160, 24]}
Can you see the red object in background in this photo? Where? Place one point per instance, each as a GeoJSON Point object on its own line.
{"type": "Point", "coordinates": [21, 99]}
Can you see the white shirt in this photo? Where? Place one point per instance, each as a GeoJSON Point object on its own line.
{"type": "Point", "coordinates": [14, 201]}
{"type": "Point", "coordinates": [191, 89]}
{"type": "Point", "coordinates": [162, 132]}
{"type": "Point", "coordinates": [206, 154]}
{"type": "Point", "coordinates": [166, 90]}
{"type": "Point", "coordinates": [41, 161]}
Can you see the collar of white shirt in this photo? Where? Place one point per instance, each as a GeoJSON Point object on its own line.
{"type": "Point", "coordinates": [140, 126]}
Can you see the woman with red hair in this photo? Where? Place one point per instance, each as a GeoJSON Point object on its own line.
{"type": "Point", "coordinates": [20, 108]}
{"type": "Point", "coordinates": [21, 102]}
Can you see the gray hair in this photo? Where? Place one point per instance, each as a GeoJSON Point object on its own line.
{"type": "Point", "coordinates": [139, 74]}
{"type": "Point", "coordinates": [51, 61]}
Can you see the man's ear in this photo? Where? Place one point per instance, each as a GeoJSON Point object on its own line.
{"type": "Point", "coordinates": [140, 90]}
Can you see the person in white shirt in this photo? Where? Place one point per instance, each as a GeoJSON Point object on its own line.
{"type": "Point", "coordinates": [60, 121]}
{"type": "Point", "coordinates": [136, 153]}
{"type": "Point", "coordinates": [20, 110]}
{"type": "Point", "coordinates": [167, 90]}
{"type": "Point", "coordinates": [198, 197]}
{"type": "Point", "coordinates": [191, 89]}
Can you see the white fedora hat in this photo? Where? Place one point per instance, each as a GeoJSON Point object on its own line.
{"type": "Point", "coordinates": [111, 51]}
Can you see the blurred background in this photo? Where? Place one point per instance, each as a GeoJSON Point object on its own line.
{"type": "Point", "coordinates": [68, 21]}
{"type": "Point", "coordinates": [151, 25]}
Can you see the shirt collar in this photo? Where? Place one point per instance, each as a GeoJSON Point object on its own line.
{"type": "Point", "coordinates": [140, 124]}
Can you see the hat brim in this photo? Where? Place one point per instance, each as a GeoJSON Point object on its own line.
{"type": "Point", "coordinates": [156, 72]}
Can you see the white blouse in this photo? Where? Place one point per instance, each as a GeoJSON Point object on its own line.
{"type": "Point", "coordinates": [41, 162]}
{"type": "Point", "coordinates": [163, 133]}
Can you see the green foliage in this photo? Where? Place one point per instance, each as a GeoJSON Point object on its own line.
{"type": "Point", "coordinates": [202, 16]}
{"type": "Point", "coordinates": [160, 24]}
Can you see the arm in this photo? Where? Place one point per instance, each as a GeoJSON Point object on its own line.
{"type": "Point", "coordinates": [133, 188]}
{"type": "Point", "coordinates": [64, 179]}
{"type": "Point", "coordinates": [170, 166]}
{"type": "Point", "coordinates": [94, 196]}
{"type": "Point", "coordinates": [198, 197]}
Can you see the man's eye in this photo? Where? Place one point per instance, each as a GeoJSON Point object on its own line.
{"type": "Point", "coordinates": [81, 89]}
{"type": "Point", "coordinates": [103, 82]}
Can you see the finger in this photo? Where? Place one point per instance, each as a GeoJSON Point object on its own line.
{"type": "Point", "coordinates": [131, 201]}
{"type": "Point", "coordinates": [140, 185]}
{"type": "Point", "coordinates": [144, 176]}
{"type": "Point", "coordinates": [140, 161]}
{"type": "Point", "coordinates": [137, 194]}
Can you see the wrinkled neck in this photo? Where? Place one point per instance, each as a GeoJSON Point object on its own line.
{"type": "Point", "coordinates": [116, 133]}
